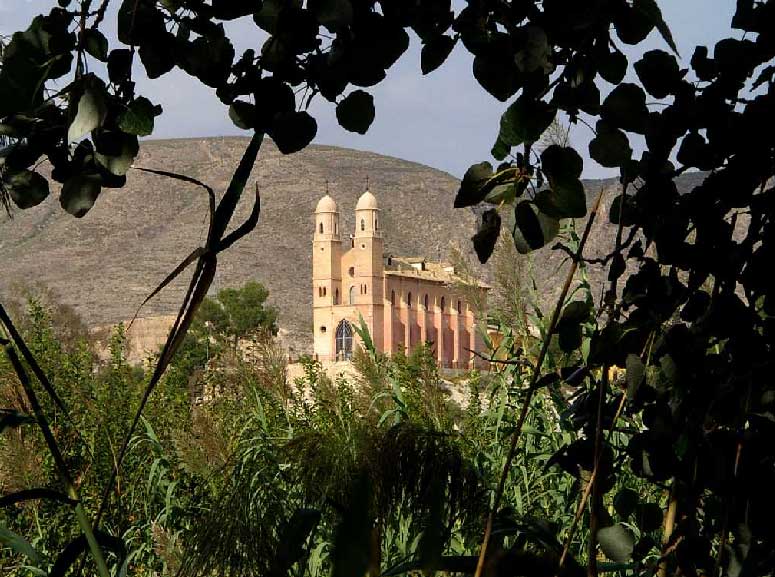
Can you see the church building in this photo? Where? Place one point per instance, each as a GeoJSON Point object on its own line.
{"type": "Point", "coordinates": [404, 301]}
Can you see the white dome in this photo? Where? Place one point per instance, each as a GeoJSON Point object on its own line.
{"type": "Point", "coordinates": [326, 204]}
{"type": "Point", "coordinates": [367, 201]}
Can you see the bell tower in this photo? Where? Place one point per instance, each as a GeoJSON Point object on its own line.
{"type": "Point", "coordinates": [326, 272]}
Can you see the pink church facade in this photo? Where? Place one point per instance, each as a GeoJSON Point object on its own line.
{"type": "Point", "coordinates": [404, 301]}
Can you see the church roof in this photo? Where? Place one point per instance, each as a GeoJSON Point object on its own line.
{"type": "Point", "coordinates": [367, 201]}
{"type": "Point", "coordinates": [326, 204]}
{"type": "Point", "coordinates": [420, 269]}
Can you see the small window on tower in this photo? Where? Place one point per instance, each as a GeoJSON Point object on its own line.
{"type": "Point", "coordinates": [320, 228]}
{"type": "Point", "coordinates": [365, 289]}
{"type": "Point", "coordinates": [443, 304]}
{"type": "Point", "coordinates": [324, 291]}
{"type": "Point", "coordinates": [351, 271]}
{"type": "Point", "coordinates": [376, 223]}
{"type": "Point", "coordinates": [409, 300]}
{"type": "Point", "coordinates": [336, 228]}
{"type": "Point", "coordinates": [323, 329]}
{"type": "Point", "coordinates": [425, 302]}
{"type": "Point", "coordinates": [459, 307]}
{"type": "Point", "coordinates": [393, 298]}
{"type": "Point", "coordinates": [336, 297]}
{"type": "Point", "coordinates": [363, 224]}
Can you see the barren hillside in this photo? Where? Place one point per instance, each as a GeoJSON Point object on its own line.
{"type": "Point", "coordinates": [106, 263]}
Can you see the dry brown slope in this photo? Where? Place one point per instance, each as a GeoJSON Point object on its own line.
{"type": "Point", "coordinates": [107, 262]}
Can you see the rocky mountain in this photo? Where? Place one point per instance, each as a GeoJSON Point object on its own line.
{"type": "Point", "coordinates": [106, 263]}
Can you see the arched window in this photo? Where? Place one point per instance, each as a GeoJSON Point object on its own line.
{"type": "Point", "coordinates": [459, 307]}
{"type": "Point", "coordinates": [320, 291]}
{"type": "Point", "coordinates": [344, 341]}
{"type": "Point", "coordinates": [409, 300]}
{"type": "Point", "coordinates": [363, 224]}
{"type": "Point", "coordinates": [425, 302]}
{"type": "Point", "coordinates": [336, 297]}
{"type": "Point", "coordinates": [443, 304]}
{"type": "Point", "coordinates": [352, 295]}
{"type": "Point", "coordinates": [325, 291]}
{"type": "Point", "coordinates": [351, 271]}
{"type": "Point", "coordinates": [320, 228]}
{"type": "Point", "coordinates": [393, 298]}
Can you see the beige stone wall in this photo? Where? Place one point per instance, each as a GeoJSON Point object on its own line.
{"type": "Point", "coordinates": [145, 337]}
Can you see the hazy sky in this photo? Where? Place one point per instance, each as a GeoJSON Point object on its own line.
{"type": "Point", "coordinates": [445, 120]}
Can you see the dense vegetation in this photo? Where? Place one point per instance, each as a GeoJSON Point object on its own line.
{"type": "Point", "coordinates": [692, 324]}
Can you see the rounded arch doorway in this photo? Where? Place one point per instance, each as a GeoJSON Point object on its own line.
{"type": "Point", "coordinates": [344, 341]}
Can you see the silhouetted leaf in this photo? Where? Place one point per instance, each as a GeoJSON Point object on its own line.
{"type": "Point", "coordinates": [119, 65]}
{"type": "Point", "coordinates": [613, 66]}
{"type": "Point", "coordinates": [95, 44]}
{"type": "Point", "coordinates": [90, 112]}
{"type": "Point", "coordinates": [625, 502]}
{"type": "Point", "coordinates": [569, 328]}
{"type": "Point", "coordinates": [356, 112]}
{"type": "Point", "coordinates": [435, 52]}
{"type": "Point", "coordinates": [616, 542]}
{"type": "Point", "coordinates": [471, 192]}
{"type": "Point", "coordinates": [139, 117]}
{"type": "Point", "coordinates": [485, 238]}
{"type": "Point", "coordinates": [243, 114]}
{"type": "Point", "coordinates": [497, 74]}
{"type": "Point", "coordinates": [333, 14]}
{"type": "Point", "coordinates": [648, 517]}
{"type": "Point", "coordinates": [659, 73]}
{"type": "Point", "coordinates": [532, 229]}
{"type": "Point", "coordinates": [119, 155]}
{"type": "Point", "coordinates": [293, 131]}
{"type": "Point", "coordinates": [525, 120]}
{"type": "Point", "coordinates": [27, 188]}
{"type": "Point", "coordinates": [610, 146]}
{"type": "Point", "coordinates": [79, 193]}
{"type": "Point", "coordinates": [625, 108]}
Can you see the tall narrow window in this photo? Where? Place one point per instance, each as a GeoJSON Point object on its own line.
{"type": "Point", "coordinates": [344, 341]}
{"type": "Point", "coordinates": [393, 298]}
{"type": "Point", "coordinates": [376, 223]}
{"type": "Point", "coordinates": [409, 300]}
{"type": "Point", "coordinates": [336, 297]}
{"type": "Point", "coordinates": [459, 307]}
{"type": "Point", "coordinates": [425, 302]}
{"type": "Point", "coordinates": [320, 228]}
{"type": "Point", "coordinates": [443, 304]}
{"type": "Point", "coordinates": [352, 295]}
{"type": "Point", "coordinates": [363, 224]}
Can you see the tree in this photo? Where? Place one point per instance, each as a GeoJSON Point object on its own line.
{"type": "Point", "coordinates": [236, 314]}
{"type": "Point", "coordinates": [701, 383]}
